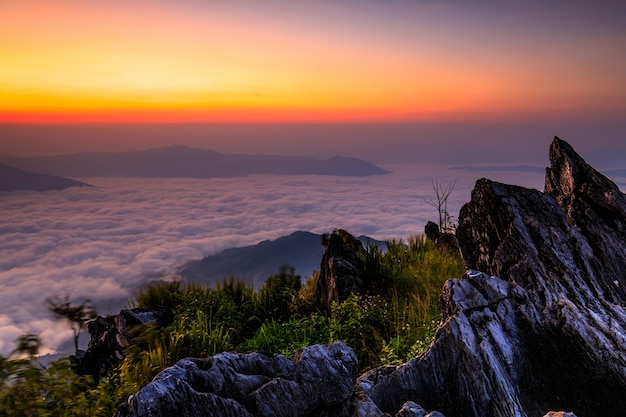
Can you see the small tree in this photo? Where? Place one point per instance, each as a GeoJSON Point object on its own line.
{"type": "Point", "coordinates": [77, 316]}
{"type": "Point", "coordinates": [440, 202]}
{"type": "Point", "coordinates": [28, 345]}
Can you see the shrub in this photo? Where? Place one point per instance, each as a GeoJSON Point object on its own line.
{"type": "Point", "coordinates": [277, 295]}
{"type": "Point", "coordinates": [28, 388]}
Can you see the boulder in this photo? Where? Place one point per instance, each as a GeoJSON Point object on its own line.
{"type": "Point", "coordinates": [318, 382]}
{"type": "Point", "coordinates": [538, 322]}
{"type": "Point", "coordinates": [431, 230]}
{"type": "Point", "coordinates": [441, 239]}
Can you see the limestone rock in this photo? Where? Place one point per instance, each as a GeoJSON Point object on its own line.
{"type": "Point", "coordinates": [538, 322]}
{"type": "Point", "coordinates": [595, 206]}
{"type": "Point", "coordinates": [317, 382]}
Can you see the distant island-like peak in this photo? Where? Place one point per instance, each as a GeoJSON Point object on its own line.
{"type": "Point", "coordinates": [15, 179]}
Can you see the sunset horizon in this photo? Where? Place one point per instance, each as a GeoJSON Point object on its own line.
{"type": "Point", "coordinates": [204, 62]}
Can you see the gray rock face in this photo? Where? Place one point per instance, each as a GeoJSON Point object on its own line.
{"type": "Point", "coordinates": [594, 205]}
{"type": "Point", "coordinates": [542, 326]}
{"type": "Point", "coordinates": [317, 382]}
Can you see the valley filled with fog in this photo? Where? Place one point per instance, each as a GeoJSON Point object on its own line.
{"type": "Point", "coordinates": [103, 243]}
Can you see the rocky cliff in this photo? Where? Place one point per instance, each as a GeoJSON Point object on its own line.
{"type": "Point", "coordinates": [542, 326]}
{"type": "Point", "coordinates": [536, 325]}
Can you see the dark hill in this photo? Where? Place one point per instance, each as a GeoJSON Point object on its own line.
{"type": "Point", "coordinates": [299, 250]}
{"type": "Point", "coordinates": [14, 179]}
{"type": "Point", "coordinates": [182, 161]}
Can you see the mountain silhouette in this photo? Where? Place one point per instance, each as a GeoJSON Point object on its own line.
{"type": "Point", "coordinates": [14, 179]}
{"type": "Point", "coordinates": [300, 250]}
{"type": "Point", "coordinates": [182, 161]}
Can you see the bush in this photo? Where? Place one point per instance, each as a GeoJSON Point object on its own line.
{"type": "Point", "coordinates": [278, 294]}
{"type": "Point", "coordinates": [28, 388]}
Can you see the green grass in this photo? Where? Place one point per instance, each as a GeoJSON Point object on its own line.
{"type": "Point", "coordinates": [391, 324]}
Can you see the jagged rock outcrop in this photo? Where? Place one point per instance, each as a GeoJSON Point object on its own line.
{"type": "Point", "coordinates": [543, 325]}
{"type": "Point", "coordinates": [596, 207]}
{"type": "Point", "coordinates": [341, 269]}
{"type": "Point", "coordinates": [109, 336]}
{"type": "Point", "coordinates": [317, 382]}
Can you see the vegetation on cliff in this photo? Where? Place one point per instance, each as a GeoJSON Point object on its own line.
{"type": "Point", "coordinates": [387, 326]}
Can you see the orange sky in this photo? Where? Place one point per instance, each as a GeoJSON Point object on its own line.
{"type": "Point", "coordinates": [194, 61]}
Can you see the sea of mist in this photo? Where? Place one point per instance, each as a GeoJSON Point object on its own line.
{"type": "Point", "coordinates": [105, 242]}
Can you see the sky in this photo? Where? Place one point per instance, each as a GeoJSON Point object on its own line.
{"type": "Point", "coordinates": [310, 61]}
{"type": "Point", "coordinates": [487, 68]}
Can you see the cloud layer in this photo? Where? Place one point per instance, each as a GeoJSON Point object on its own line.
{"type": "Point", "coordinates": [102, 243]}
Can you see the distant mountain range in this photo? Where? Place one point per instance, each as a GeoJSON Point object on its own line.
{"type": "Point", "coordinates": [300, 250]}
{"type": "Point", "coordinates": [182, 161]}
{"type": "Point", "coordinates": [14, 179]}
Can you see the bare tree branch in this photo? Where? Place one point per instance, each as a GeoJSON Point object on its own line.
{"type": "Point", "coordinates": [440, 203]}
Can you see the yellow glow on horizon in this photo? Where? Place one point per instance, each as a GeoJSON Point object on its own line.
{"type": "Point", "coordinates": [102, 61]}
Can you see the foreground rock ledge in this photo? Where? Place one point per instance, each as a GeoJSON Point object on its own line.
{"type": "Point", "coordinates": [319, 379]}
{"type": "Point", "coordinates": [550, 332]}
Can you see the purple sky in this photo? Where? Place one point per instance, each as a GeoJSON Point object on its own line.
{"type": "Point", "coordinates": [604, 143]}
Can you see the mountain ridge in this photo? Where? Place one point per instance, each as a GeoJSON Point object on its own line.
{"type": "Point", "coordinates": [300, 250]}
{"type": "Point", "coordinates": [183, 161]}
